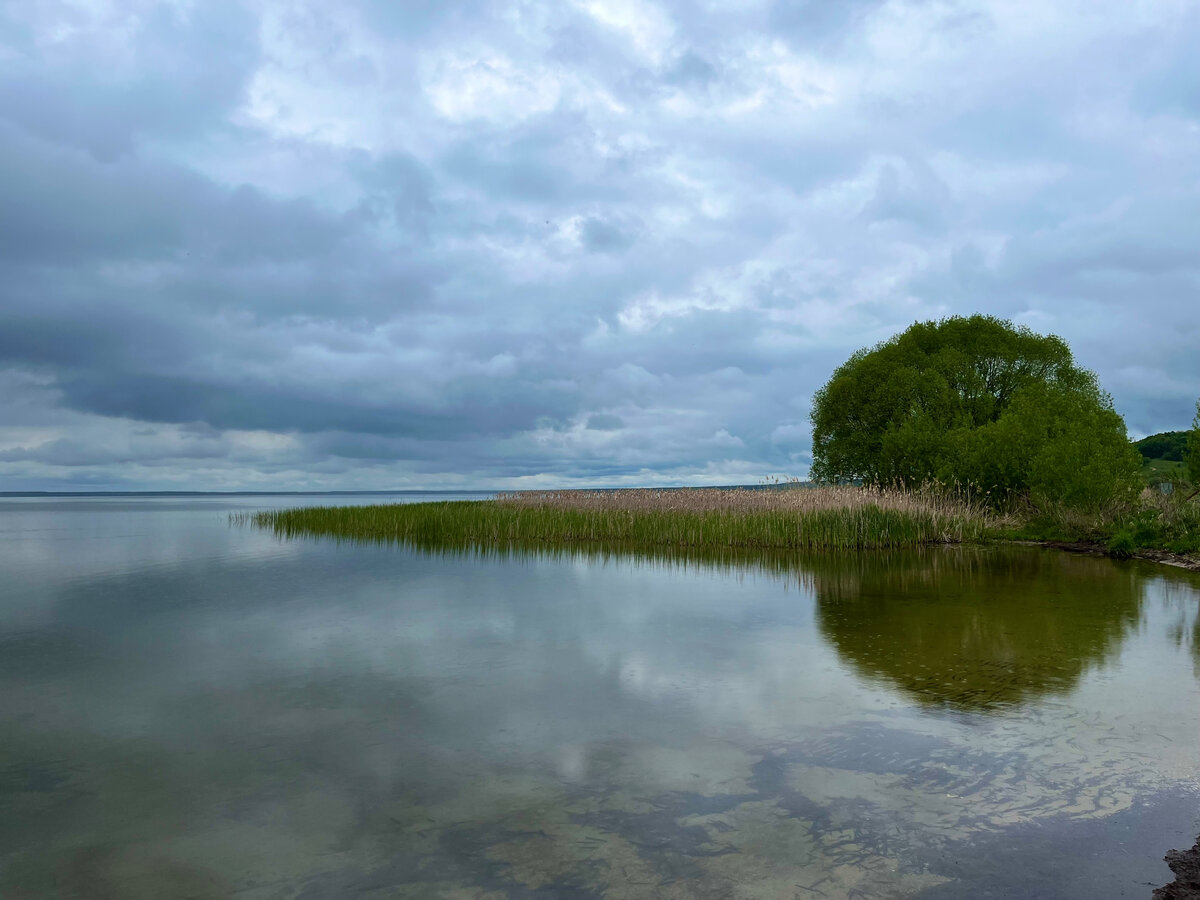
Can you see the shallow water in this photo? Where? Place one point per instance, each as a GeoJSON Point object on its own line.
{"type": "Point", "coordinates": [193, 710]}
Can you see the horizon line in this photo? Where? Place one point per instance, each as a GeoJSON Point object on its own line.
{"type": "Point", "coordinates": [252, 493]}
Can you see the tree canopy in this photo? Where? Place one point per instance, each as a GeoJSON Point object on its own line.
{"type": "Point", "coordinates": [974, 401]}
{"type": "Point", "coordinates": [1168, 445]}
{"type": "Point", "coordinates": [1192, 457]}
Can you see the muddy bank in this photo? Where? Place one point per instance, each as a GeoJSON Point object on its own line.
{"type": "Point", "coordinates": [1186, 866]}
{"type": "Point", "coordinates": [1171, 559]}
{"type": "Point", "coordinates": [1095, 548]}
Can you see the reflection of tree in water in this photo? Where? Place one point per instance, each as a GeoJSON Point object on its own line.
{"type": "Point", "coordinates": [974, 629]}
{"type": "Point", "coordinates": [1185, 632]}
{"type": "Point", "coordinates": [961, 627]}
{"type": "Point", "coordinates": [1196, 645]}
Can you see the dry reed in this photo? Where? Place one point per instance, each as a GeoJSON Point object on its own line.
{"type": "Point", "coordinates": [929, 500]}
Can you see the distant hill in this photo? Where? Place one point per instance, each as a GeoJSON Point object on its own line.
{"type": "Point", "coordinates": [1169, 445]}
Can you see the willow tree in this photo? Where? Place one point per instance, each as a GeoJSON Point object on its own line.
{"type": "Point", "coordinates": [973, 401]}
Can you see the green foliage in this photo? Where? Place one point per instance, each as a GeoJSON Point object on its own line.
{"type": "Point", "coordinates": [1121, 545]}
{"type": "Point", "coordinates": [1172, 525]}
{"type": "Point", "coordinates": [1168, 445]}
{"type": "Point", "coordinates": [1193, 449]}
{"type": "Point", "coordinates": [1155, 521]}
{"type": "Point", "coordinates": [1066, 446]}
{"type": "Point", "coordinates": [974, 401]}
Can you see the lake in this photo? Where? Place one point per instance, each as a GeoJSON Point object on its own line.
{"type": "Point", "coordinates": [194, 710]}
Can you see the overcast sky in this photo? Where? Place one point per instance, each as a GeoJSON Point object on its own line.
{"type": "Point", "coordinates": [379, 244]}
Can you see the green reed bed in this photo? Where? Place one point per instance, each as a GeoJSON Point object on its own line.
{"type": "Point", "coordinates": [794, 519]}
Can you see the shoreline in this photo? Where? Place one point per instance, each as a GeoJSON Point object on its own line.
{"type": "Point", "coordinates": [1186, 866]}
{"type": "Point", "coordinates": [1095, 548]}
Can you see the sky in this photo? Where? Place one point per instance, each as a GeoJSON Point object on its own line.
{"type": "Point", "coordinates": [400, 245]}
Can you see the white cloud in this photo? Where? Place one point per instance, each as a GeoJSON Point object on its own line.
{"type": "Point", "coordinates": [289, 245]}
{"type": "Point", "coordinates": [466, 85]}
{"type": "Point", "coordinates": [645, 24]}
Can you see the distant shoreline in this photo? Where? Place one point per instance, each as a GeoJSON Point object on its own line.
{"type": "Point", "coordinates": [18, 494]}
{"type": "Point", "coordinates": [372, 493]}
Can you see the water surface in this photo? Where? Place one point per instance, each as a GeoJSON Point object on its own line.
{"type": "Point", "coordinates": [193, 710]}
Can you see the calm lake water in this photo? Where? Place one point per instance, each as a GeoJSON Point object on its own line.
{"type": "Point", "coordinates": [190, 710]}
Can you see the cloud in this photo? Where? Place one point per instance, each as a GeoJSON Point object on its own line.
{"type": "Point", "coordinates": [372, 244]}
{"type": "Point", "coordinates": [104, 76]}
{"type": "Point", "coordinates": [601, 236]}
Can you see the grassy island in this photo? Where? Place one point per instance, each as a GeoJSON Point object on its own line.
{"type": "Point", "coordinates": [787, 518]}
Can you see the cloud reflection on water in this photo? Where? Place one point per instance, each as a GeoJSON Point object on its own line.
{"type": "Point", "coordinates": [376, 719]}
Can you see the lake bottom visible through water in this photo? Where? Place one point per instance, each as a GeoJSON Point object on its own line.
{"type": "Point", "coordinates": [189, 709]}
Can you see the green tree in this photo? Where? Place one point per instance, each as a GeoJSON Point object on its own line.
{"type": "Point", "coordinates": [1193, 449]}
{"type": "Point", "coordinates": [975, 401]}
{"type": "Point", "coordinates": [1170, 445]}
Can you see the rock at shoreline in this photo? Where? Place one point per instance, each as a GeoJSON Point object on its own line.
{"type": "Point", "coordinates": [1186, 866]}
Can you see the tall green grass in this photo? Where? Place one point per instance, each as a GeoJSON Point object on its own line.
{"type": "Point", "coordinates": [799, 519]}
{"type": "Point", "coordinates": [1154, 521]}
